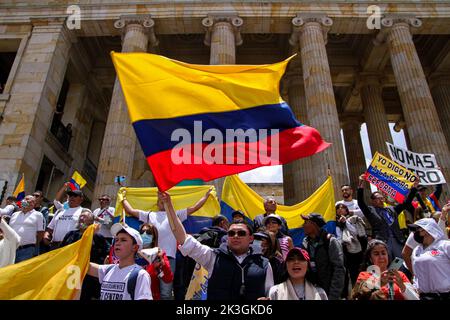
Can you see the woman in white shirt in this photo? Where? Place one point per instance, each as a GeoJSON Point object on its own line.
{"type": "Point", "coordinates": [431, 260]}
{"type": "Point", "coordinates": [296, 286]}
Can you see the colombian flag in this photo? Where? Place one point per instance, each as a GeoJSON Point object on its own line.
{"type": "Point", "coordinates": [236, 195]}
{"type": "Point", "coordinates": [206, 122]}
{"type": "Point", "coordinates": [77, 181]}
{"type": "Point", "coordinates": [19, 193]}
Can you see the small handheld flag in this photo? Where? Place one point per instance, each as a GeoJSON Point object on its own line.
{"type": "Point", "coordinates": [19, 193]}
{"type": "Point", "coordinates": [77, 181]}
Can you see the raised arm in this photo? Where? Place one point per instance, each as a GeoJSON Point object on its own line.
{"type": "Point", "coordinates": [199, 203]}
{"type": "Point", "coordinates": [93, 269]}
{"type": "Point", "coordinates": [127, 206]}
{"type": "Point", "coordinates": [61, 192]}
{"type": "Point", "coordinates": [412, 193]}
{"type": "Point", "coordinates": [360, 197]}
{"type": "Point", "coordinates": [175, 224]}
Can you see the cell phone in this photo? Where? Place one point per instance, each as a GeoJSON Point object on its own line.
{"type": "Point", "coordinates": [396, 264]}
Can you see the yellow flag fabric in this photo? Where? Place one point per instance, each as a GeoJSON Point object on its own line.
{"type": "Point", "coordinates": [198, 286]}
{"type": "Point", "coordinates": [239, 196]}
{"type": "Point", "coordinates": [77, 181]}
{"type": "Point", "coordinates": [182, 197]}
{"type": "Point", "coordinates": [56, 275]}
{"type": "Point", "coordinates": [19, 192]}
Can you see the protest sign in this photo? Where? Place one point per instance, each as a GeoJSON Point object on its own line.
{"type": "Point", "coordinates": [424, 165]}
{"type": "Point", "coordinates": [390, 177]}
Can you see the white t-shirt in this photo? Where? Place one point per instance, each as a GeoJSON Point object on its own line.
{"type": "Point", "coordinates": [431, 267]}
{"type": "Point", "coordinates": [26, 225]}
{"type": "Point", "coordinates": [7, 210]}
{"type": "Point", "coordinates": [352, 206]}
{"type": "Point", "coordinates": [64, 222]}
{"type": "Point", "coordinates": [166, 239]}
{"type": "Point", "coordinates": [107, 215]}
{"type": "Point", "coordinates": [114, 283]}
{"type": "Point", "coordinates": [8, 245]}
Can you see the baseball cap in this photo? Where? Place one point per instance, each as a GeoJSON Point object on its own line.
{"type": "Point", "coordinates": [272, 216]}
{"type": "Point", "coordinates": [75, 193]}
{"type": "Point", "coordinates": [115, 228]}
{"type": "Point", "coordinates": [316, 218]}
{"type": "Point", "coordinates": [302, 252]}
{"type": "Point", "coordinates": [237, 212]}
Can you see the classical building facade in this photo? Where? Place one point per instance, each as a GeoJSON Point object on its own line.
{"type": "Point", "coordinates": [62, 108]}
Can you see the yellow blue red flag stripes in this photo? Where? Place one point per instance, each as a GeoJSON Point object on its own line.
{"type": "Point", "coordinates": [19, 192]}
{"type": "Point", "coordinates": [56, 275]}
{"type": "Point", "coordinates": [146, 198]}
{"type": "Point", "coordinates": [77, 181]}
{"type": "Point", "coordinates": [236, 195]}
{"type": "Point", "coordinates": [205, 122]}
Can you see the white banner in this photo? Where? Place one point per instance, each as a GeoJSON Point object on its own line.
{"type": "Point", "coordinates": [423, 164]}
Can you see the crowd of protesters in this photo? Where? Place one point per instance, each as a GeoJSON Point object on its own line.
{"type": "Point", "coordinates": [368, 256]}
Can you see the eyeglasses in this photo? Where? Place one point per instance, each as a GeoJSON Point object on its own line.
{"type": "Point", "coordinates": [36, 195]}
{"type": "Point", "coordinates": [239, 233]}
{"type": "Point", "coordinates": [103, 199]}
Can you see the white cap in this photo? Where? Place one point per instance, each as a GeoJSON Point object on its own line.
{"type": "Point", "coordinates": [115, 228]}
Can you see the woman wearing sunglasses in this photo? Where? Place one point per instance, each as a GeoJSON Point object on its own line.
{"type": "Point", "coordinates": [296, 284]}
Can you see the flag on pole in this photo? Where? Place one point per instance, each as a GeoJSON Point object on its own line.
{"type": "Point", "coordinates": [19, 192]}
{"type": "Point", "coordinates": [77, 181]}
{"type": "Point", "coordinates": [210, 121]}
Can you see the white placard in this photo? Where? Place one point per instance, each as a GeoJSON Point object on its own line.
{"type": "Point", "coordinates": [423, 164]}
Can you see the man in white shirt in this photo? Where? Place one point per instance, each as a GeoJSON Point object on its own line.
{"type": "Point", "coordinates": [105, 216]}
{"type": "Point", "coordinates": [29, 224]}
{"type": "Point", "coordinates": [235, 270]}
{"type": "Point", "coordinates": [166, 240]}
{"type": "Point", "coordinates": [9, 241]}
{"type": "Point", "coordinates": [347, 199]}
{"type": "Point", "coordinates": [65, 221]}
{"type": "Point", "coordinates": [8, 210]}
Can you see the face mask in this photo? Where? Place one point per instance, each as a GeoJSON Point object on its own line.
{"type": "Point", "coordinates": [24, 204]}
{"type": "Point", "coordinates": [146, 240]}
{"type": "Point", "coordinates": [66, 205]}
{"type": "Point", "coordinates": [417, 237]}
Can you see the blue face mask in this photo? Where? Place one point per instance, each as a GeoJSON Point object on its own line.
{"type": "Point", "coordinates": [146, 240]}
{"type": "Point", "coordinates": [66, 205]}
{"type": "Point", "coordinates": [24, 204]}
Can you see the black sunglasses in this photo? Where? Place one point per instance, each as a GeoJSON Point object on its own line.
{"type": "Point", "coordinates": [103, 199]}
{"type": "Point", "coordinates": [240, 233]}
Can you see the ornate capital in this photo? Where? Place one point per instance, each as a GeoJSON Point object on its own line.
{"type": "Point", "coordinates": [302, 19]}
{"type": "Point", "coordinates": [142, 21]}
{"type": "Point", "coordinates": [390, 21]}
{"type": "Point", "coordinates": [234, 21]}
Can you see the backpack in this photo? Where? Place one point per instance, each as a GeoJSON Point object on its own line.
{"type": "Point", "coordinates": [132, 280]}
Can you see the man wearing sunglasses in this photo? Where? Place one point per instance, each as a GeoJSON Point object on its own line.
{"type": "Point", "coordinates": [65, 221]}
{"type": "Point", "coordinates": [105, 216]}
{"type": "Point", "coordinates": [235, 270]}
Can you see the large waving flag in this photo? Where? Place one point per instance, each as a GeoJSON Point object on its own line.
{"type": "Point", "coordinates": [182, 197]}
{"type": "Point", "coordinates": [77, 181]}
{"type": "Point", "coordinates": [55, 275]}
{"type": "Point", "coordinates": [205, 122]}
{"type": "Point", "coordinates": [236, 195]}
{"type": "Point", "coordinates": [19, 192]}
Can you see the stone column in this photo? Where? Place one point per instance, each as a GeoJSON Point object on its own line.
{"type": "Point", "coordinates": [222, 35]}
{"type": "Point", "coordinates": [28, 112]}
{"type": "Point", "coordinates": [422, 121]}
{"type": "Point", "coordinates": [310, 32]}
{"type": "Point", "coordinates": [375, 114]}
{"type": "Point", "coordinates": [298, 176]}
{"type": "Point", "coordinates": [440, 90]}
{"type": "Point", "coordinates": [119, 142]}
{"type": "Point", "coordinates": [356, 162]}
